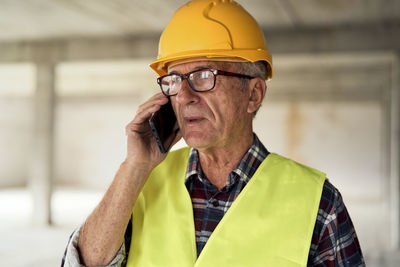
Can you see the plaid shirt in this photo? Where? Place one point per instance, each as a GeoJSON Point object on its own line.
{"type": "Point", "coordinates": [334, 241]}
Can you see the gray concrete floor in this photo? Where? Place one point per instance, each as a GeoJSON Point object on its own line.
{"type": "Point", "coordinates": [23, 244]}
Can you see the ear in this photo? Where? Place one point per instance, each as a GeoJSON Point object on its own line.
{"type": "Point", "coordinates": [257, 88]}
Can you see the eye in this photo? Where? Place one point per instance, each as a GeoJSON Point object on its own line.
{"type": "Point", "coordinates": [206, 74]}
{"type": "Point", "coordinates": [201, 75]}
{"type": "Point", "coordinates": [176, 78]}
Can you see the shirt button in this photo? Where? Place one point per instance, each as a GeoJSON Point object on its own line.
{"type": "Point", "coordinates": [215, 203]}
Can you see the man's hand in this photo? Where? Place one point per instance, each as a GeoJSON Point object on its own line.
{"type": "Point", "coordinates": [142, 148]}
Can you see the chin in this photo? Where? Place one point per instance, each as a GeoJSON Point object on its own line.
{"type": "Point", "coordinates": [197, 139]}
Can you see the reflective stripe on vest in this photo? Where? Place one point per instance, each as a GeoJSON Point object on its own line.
{"type": "Point", "coordinates": [270, 223]}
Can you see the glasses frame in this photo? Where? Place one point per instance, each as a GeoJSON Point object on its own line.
{"type": "Point", "coordinates": [213, 71]}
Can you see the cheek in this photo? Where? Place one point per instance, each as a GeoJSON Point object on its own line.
{"type": "Point", "coordinates": [226, 111]}
{"type": "Point", "coordinates": [219, 106]}
{"type": "Point", "coordinates": [236, 112]}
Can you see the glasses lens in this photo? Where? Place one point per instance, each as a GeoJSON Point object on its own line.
{"type": "Point", "coordinates": [202, 80]}
{"type": "Point", "coordinates": [170, 84]}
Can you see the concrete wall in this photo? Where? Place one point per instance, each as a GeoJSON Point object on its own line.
{"type": "Point", "coordinates": [17, 82]}
{"type": "Point", "coordinates": [331, 111]}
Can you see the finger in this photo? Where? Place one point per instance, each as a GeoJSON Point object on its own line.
{"type": "Point", "coordinates": [145, 114]}
{"type": "Point", "coordinates": [158, 99]}
{"type": "Point", "coordinates": [141, 121]}
{"type": "Point", "coordinates": [149, 107]}
{"type": "Point", "coordinates": [155, 98]}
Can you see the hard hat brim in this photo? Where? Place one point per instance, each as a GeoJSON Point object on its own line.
{"type": "Point", "coordinates": [160, 66]}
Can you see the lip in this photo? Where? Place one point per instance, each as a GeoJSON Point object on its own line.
{"type": "Point", "coordinates": [192, 120]}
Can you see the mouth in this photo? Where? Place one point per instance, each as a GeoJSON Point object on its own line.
{"type": "Point", "coordinates": [193, 120]}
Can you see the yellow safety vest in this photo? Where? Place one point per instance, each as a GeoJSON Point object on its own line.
{"type": "Point", "coordinates": [270, 223]}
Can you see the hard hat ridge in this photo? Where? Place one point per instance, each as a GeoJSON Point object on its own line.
{"type": "Point", "coordinates": [206, 14]}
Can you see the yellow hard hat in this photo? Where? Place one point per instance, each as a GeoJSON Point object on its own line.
{"type": "Point", "coordinates": [211, 30]}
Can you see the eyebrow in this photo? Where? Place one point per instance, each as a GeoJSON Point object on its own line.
{"type": "Point", "coordinates": [196, 68]}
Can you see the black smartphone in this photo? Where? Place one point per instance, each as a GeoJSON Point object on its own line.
{"type": "Point", "coordinates": [164, 126]}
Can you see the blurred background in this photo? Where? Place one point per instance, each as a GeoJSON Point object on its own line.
{"type": "Point", "coordinates": [72, 74]}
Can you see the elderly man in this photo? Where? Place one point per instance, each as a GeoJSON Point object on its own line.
{"type": "Point", "coordinates": [226, 201]}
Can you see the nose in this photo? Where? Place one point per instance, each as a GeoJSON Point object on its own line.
{"type": "Point", "coordinates": [186, 95]}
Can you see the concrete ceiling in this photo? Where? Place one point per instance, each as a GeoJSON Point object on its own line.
{"type": "Point", "coordinates": [52, 19]}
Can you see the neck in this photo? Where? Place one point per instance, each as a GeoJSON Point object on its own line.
{"type": "Point", "coordinates": [217, 163]}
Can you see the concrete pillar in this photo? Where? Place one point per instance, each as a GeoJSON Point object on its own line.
{"type": "Point", "coordinates": [395, 152]}
{"type": "Point", "coordinates": [40, 181]}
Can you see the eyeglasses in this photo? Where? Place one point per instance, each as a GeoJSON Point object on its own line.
{"type": "Point", "coordinates": [199, 80]}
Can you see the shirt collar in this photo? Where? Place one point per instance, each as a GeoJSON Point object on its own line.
{"type": "Point", "coordinates": [244, 170]}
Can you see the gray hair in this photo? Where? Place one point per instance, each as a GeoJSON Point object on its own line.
{"type": "Point", "coordinates": [254, 69]}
